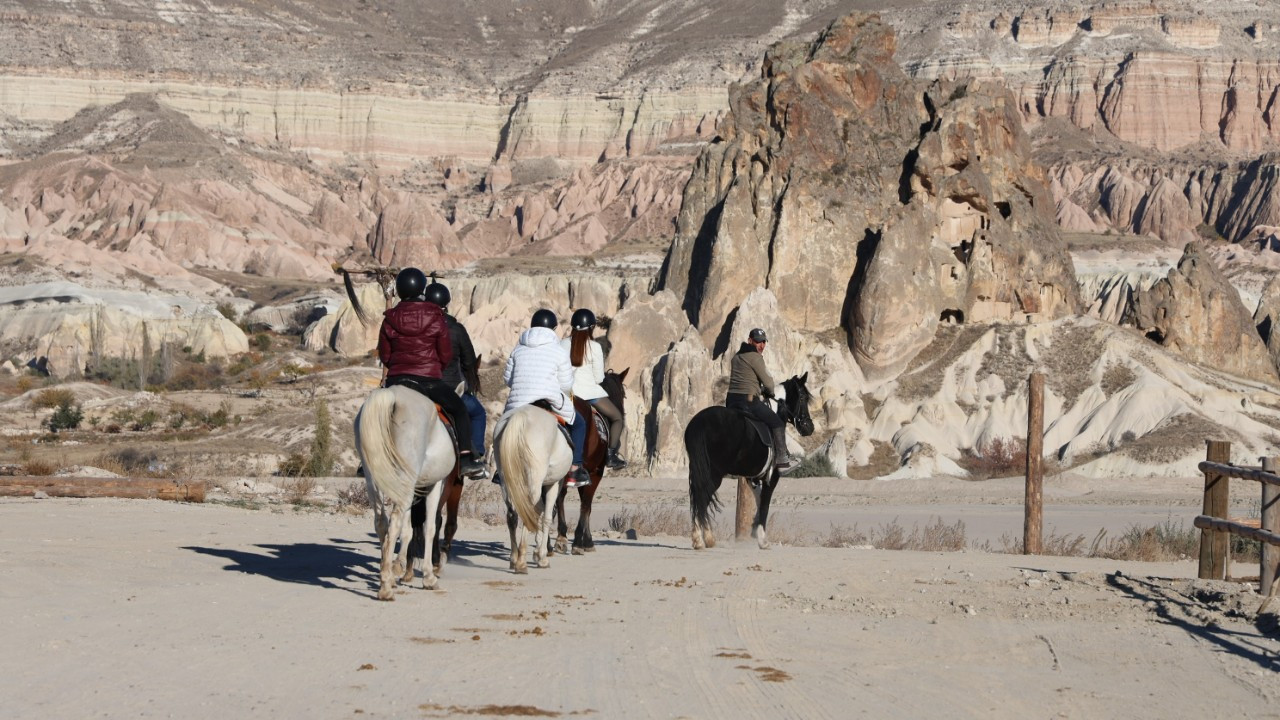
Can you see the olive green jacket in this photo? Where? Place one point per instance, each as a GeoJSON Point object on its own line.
{"type": "Point", "coordinates": [748, 374]}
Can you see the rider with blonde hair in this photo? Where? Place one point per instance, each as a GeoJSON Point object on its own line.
{"type": "Point", "coordinates": [587, 357]}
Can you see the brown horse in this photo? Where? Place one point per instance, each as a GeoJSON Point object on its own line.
{"type": "Point", "coordinates": [594, 455]}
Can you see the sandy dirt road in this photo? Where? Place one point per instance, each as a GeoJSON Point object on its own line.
{"type": "Point", "coordinates": [113, 608]}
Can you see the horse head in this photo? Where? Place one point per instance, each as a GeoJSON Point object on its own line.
{"type": "Point", "coordinates": [796, 403]}
{"type": "Point", "coordinates": [614, 387]}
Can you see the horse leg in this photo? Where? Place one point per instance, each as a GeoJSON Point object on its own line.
{"type": "Point", "coordinates": [562, 527]}
{"type": "Point", "coordinates": [446, 519]}
{"type": "Point", "coordinates": [551, 494]}
{"type": "Point", "coordinates": [764, 494]}
{"type": "Point", "coordinates": [391, 522]}
{"type": "Point", "coordinates": [582, 542]}
{"type": "Point", "coordinates": [429, 577]}
{"type": "Point", "coordinates": [516, 528]}
{"type": "Point", "coordinates": [418, 543]}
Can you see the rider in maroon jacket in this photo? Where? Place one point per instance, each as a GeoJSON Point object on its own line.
{"type": "Point", "coordinates": [414, 347]}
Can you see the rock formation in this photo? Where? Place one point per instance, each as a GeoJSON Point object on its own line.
{"type": "Point", "coordinates": [867, 202]}
{"type": "Point", "coordinates": [1196, 313]}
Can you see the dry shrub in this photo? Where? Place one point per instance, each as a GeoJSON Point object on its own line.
{"type": "Point", "coordinates": [52, 398]}
{"type": "Point", "coordinates": [355, 499]}
{"type": "Point", "coordinates": [998, 457]}
{"type": "Point", "coordinates": [1158, 543]}
{"type": "Point", "coordinates": [1051, 544]}
{"type": "Point", "coordinates": [843, 536]}
{"type": "Point", "coordinates": [936, 536]}
{"type": "Point", "coordinates": [652, 519]}
{"type": "Point", "coordinates": [297, 490]}
{"type": "Point", "coordinates": [39, 467]}
{"type": "Point", "coordinates": [816, 465]}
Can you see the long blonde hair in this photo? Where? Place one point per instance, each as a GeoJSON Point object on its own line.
{"type": "Point", "coordinates": [578, 350]}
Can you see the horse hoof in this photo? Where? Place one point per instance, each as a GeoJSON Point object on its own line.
{"type": "Point", "coordinates": [590, 548]}
{"type": "Point", "coordinates": [397, 568]}
{"type": "Point", "coordinates": [579, 551]}
{"type": "Point", "coordinates": [386, 596]}
{"type": "Point", "coordinates": [437, 568]}
{"type": "Point", "coordinates": [521, 571]}
{"type": "Point", "coordinates": [431, 585]}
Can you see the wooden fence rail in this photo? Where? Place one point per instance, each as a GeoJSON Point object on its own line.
{"type": "Point", "coordinates": [1217, 529]}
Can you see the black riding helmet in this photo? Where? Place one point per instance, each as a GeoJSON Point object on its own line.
{"type": "Point", "coordinates": [437, 293]}
{"type": "Point", "coordinates": [544, 318]}
{"type": "Point", "coordinates": [583, 319]}
{"type": "Point", "coordinates": [410, 283]}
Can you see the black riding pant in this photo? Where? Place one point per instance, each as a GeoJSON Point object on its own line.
{"type": "Point", "coordinates": [756, 407]}
{"type": "Point", "coordinates": [443, 395]}
{"type": "Point", "coordinates": [611, 412]}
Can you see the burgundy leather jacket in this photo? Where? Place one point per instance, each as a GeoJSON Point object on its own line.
{"type": "Point", "coordinates": [414, 340]}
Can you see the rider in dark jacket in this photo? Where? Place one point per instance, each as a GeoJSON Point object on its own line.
{"type": "Point", "coordinates": [414, 347]}
{"type": "Point", "coordinates": [749, 380]}
{"type": "Point", "coordinates": [464, 367]}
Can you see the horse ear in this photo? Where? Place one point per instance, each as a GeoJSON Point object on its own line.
{"type": "Point", "coordinates": [804, 377]}
{"type": "Point", "coordinates": [623, 375]}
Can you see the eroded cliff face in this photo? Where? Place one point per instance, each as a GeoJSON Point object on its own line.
{"type": "Point", "coordinates": [1171, 106]}
{"type": "Point", "coordinates": [869, 202]}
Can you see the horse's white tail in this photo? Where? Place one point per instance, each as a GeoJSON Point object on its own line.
{"type": "Point", "coordinates": [384, 464]}
{"type": "Point", "coordinates": [516, 462]}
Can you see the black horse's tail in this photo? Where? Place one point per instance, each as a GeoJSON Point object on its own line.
{"type": "Point", "coordinates": [702, 486]}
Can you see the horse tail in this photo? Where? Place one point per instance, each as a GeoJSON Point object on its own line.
{"type": "Point", "coordinates": [383, 463]}
{"type": "Point", "coordinates": [702, 490]}
{"type": "Point", "coordinates": [516, 460]}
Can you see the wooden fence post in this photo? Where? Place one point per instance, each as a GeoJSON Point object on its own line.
{"type": "Point", "coordinates": [1033, 509]}
{"type": "Point", "coordinates": [746, 511]}
{"type": "Point", "coordinates": [1270, 523]}
{"type": "Point", "coordinates": [1215, 543]}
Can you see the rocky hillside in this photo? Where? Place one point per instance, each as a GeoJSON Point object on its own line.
{"type": "Point", "coordinates": [870, 191]}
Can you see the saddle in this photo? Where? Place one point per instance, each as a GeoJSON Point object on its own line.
{"type": "Point", "coordinates": [766, 439]}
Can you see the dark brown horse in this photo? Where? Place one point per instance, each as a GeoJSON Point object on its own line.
{"type": "Point", "coordinates": [594, 456]}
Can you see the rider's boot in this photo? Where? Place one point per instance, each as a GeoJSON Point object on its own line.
{"type": "Point", "coordinates": [783, 459]}
{"type": "Point", "coordinates": [615, 461]}
{"type": "Point", "coordinates": [578, 478]}
{"type": "Point", "coordinates": [471, 467]}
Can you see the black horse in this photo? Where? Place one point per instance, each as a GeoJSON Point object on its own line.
{"type": "Point", "coordinates": [594, 456]}
{"type": "Point", "coordinates": [720, 442]}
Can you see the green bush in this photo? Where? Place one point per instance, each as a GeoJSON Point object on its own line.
{"type": "Point", "coordinates": [65, 417]}
{"type": "Point", "coordinates": [262, 342]}
{"type": "Point", "coordinates": [146, 420]}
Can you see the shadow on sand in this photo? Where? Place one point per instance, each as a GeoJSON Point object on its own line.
{"type": "Point", "coordinates": [335, 566]}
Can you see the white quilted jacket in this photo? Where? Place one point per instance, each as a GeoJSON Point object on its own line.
{"type": "Point", "coordinates": [539, 369]}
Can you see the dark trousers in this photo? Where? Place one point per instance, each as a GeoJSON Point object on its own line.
{"type": "Point", "coordinates": [578, 431]}
{"type": "Point", "coordinates": [757, 408]}
{"type": "Point", "coordinates": [443, 395]}
{"type": "Point", "coordinates": [616, 422]}
{"type": "Point", "coordinates": [476, 411]}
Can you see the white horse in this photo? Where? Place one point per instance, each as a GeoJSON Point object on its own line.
{"type": "Point", "coordinates": [405, 450]}
{"type": "Point", "coordinates": [532, 458]}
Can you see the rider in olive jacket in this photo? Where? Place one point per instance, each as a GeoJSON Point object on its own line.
{"type": "Point", "coordinates": [749, 381]}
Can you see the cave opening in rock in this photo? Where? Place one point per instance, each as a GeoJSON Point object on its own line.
{"type": "Point", "coordinates": [1155, 336]}
{"type": "Point", "coordinates": [953, 316]}
{"type": "Point", "coordinates": [1005, 208]}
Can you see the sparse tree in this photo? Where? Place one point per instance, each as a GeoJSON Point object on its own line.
{"type": "Point", "coordinates": [321, 464]}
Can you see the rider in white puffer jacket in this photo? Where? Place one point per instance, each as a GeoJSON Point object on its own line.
{"type": "Point", "coordinates": [539, 369]}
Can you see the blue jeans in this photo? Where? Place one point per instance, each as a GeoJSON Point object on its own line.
{"type": "Point", "coordinates": [476, 412]}
{"type": "Point", "coordinates": [578, 431]}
